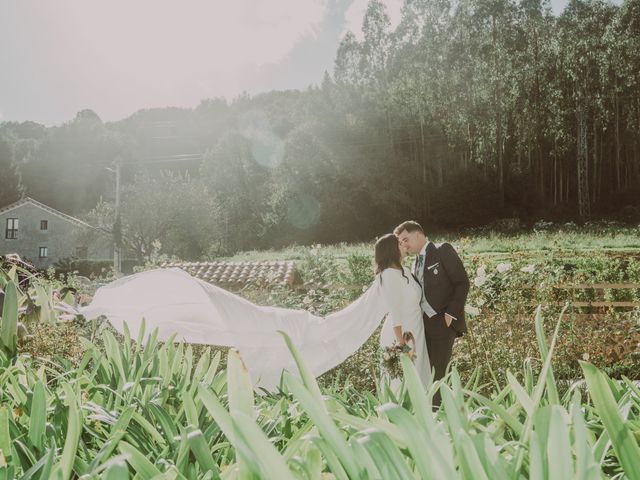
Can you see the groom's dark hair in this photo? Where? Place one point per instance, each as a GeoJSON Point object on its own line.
{"type": "Point", "coordinates": [409, 226]}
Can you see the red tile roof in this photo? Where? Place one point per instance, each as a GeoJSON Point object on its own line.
{"type": "Point", "coordinates": [239, 274]}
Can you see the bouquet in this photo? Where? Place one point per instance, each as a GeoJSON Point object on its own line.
{"type": "Point", "coordinates": [391, 355]}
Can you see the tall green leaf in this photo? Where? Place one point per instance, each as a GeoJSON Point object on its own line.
{"type": "Point", "coordinates": [38, 416]}
{"type": "Point", "coordinates": [622, 439]}
{"type": "Point", "coordinates": [9, 327]}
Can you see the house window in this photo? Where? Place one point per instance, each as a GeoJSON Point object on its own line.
{"type": "Point", "coordinates": [12, 228]}
{"type": "Point", "coordinates": [44, 252]}
{"type": "Point", "coordinates": [44, 224]}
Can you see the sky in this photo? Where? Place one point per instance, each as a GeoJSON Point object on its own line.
{"type": "Point", "coordinates": [118, 56]}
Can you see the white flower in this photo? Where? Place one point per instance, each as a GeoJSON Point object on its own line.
{"type": "Point", "coordinates": [585, 357]}
{"type": "Point", "coordinates": [386, 356]}
{"type": "Point", "coordinates": [481, 276]}
{"type": "Point", "coordinates": [471, 310]}
{"type": "Point", "coordinates": [479, 281]}
{"type": "Point", "coordinates": [503, 267]}
{"type": "Point", "coordinates": [364, 288]}
{"type": "Point", "coordinates": [306, 300]}
{"type": "Point", "coordinates": [528, 269]}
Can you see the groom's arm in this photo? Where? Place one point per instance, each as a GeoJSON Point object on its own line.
{"type": "Point", "coordinates": [458, 276]}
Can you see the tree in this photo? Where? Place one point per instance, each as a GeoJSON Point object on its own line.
{"type": "Point", "coordinates": [67, 170]}
{"type": "Point", "coordinates": [12, 188]}
{"type": "Point", "coordinates": [169, 208]}
{"type": "Point", "coordinates": [624, 45]}
{"type": "Point", "coordinates": [238, 184]}
{"type": "Point", "coordinates": [582, 32]}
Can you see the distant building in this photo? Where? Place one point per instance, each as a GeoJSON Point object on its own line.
{"type": "Point", "coordinates": [43, 235]}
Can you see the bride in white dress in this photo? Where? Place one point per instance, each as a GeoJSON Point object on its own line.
{"type": "Point", "coordinates": [402, 294]}
{"type": "Point", "coordinates": [174, 303]}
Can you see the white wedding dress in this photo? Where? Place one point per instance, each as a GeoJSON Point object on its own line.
{"type": "Point", "coordinates": [402, 295]}
{"type": "Point", "coordinates": [174, 302]}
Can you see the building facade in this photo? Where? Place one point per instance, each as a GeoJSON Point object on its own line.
{"type": "Point", "coordinates": [43, 235]}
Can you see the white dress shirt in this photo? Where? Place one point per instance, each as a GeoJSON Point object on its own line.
{"type": "Point", "coordinates": [426, 308]}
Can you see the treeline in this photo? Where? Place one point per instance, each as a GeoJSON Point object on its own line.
{"type": "Point", "coordinates": [465, 113]}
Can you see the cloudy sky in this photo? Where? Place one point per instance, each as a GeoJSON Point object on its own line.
{"type": "Point", "coordinates": [117, 56]}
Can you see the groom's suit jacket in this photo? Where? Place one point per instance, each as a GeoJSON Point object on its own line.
{"type": "Point", "coordinates": [445, 283]}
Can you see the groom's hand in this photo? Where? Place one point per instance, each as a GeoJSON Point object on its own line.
{"type": "Point", "coordinates": [448, 319]}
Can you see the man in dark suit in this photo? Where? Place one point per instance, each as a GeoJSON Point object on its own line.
{"type": "Point", "coordinates": [445, 286]}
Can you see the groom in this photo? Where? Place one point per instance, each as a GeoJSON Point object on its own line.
{"type": "Point", "coordinates": [445, 286]}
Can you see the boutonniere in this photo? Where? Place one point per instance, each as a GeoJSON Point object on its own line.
{"type": "Point", "coordinates": [434, 267]}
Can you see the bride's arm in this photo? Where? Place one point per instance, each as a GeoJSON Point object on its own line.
{"type": "Point", "coordinates": [392, 294]}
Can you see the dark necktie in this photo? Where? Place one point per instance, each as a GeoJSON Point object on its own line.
{"type": "Point", "coordinates": [419, 264]}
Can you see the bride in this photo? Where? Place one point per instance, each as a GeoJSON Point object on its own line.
{"type": "Point", "coordinates": [174, 302]}
{"type": "Point", "coordinates": [402, 294]}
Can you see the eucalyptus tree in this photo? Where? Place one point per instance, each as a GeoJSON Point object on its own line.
{"type": "Point", "coordinates": [420, 86]}
{"type": "Point", "coordinates": [535, 70]}
{"type": "Point", "coordinates": [492, 37]}
{"type": "Point", "coordinates": [582, 28]}
{"type": "Point", "coordinates": [624, 45]}
{"type": "Point", "coordinates": [376, 53]}
{"type": "Point", "coordinates": [470, 100]}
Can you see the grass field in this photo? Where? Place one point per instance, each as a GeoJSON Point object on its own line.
{"type": "Point", "coordinates": [603, 238]}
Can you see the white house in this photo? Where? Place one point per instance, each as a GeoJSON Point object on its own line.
{"type": "Point", "coordinates": [43, 235]}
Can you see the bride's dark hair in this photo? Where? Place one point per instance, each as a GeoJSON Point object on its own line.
{"type": "Point", "coordinates": [387, 254]}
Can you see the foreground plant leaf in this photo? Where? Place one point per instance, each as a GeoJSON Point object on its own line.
{"type": "Point", "coordinates": [623, 441]}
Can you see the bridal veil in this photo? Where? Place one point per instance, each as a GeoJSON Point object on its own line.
{"type": "Point", "coordinates": [174, 302]}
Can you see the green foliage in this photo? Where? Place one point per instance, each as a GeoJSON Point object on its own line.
{"type": "Point", "coordinates": [501, 337]}
{"type": "Point", "coordinates": [236, 183]}
{"type": "Point", "coordinates": [11, 181]}
{"type": "Point", "coordinates": [170, 211]}
{"type": "Point", "coordinates": [468, 199]}
{"type": "Point", "coordinates": [514, 404]}
{"type": "Point", "coordinates": [9, 326]}
{"type": "Point", "coordinates": [360, 269]}
{"type": "Point", "coordinates": [155, 411]}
